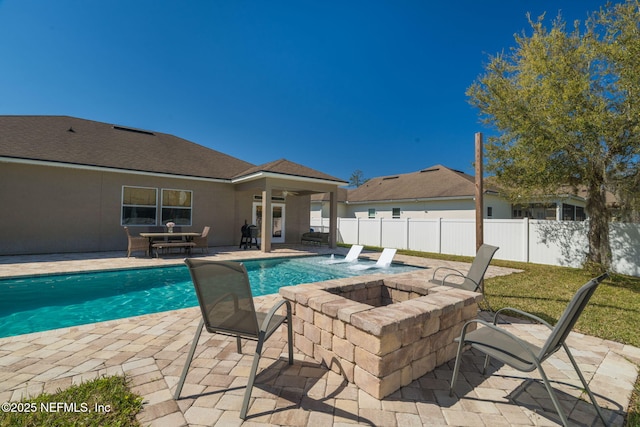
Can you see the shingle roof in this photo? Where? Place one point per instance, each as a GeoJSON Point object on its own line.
{"type": "Point", "coordinates": [286, 167]}
{"type": "Point", "coordinates": [434, 182]}
{"type": "Point", "coordinates": [84, 142]}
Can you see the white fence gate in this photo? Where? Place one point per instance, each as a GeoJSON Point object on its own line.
{"type": "Point", "coordinates": [561, 243]}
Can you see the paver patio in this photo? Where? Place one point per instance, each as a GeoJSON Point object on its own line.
{"type": "Point", "coordinates": [151, 350]}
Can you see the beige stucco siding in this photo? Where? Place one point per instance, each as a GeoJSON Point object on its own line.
{"type": "Point", "coordinates": [48, 209]}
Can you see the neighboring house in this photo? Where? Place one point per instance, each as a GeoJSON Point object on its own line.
{"type": "Point", "coordinates": [70, 185]}
{"type": "Point", "coordinates": [440, 192]}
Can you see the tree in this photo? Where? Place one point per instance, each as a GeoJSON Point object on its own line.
{"type": "Point", "coordinates": [357, 178]}
{"type": "Point", "coordinates": [565, 106]}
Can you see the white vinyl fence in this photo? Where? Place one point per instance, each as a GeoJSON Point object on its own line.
{"type": "Point", "coordinates": [561, 243]}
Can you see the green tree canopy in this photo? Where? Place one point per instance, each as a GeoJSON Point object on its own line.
{"type": "Point", "coordinates": [565, 106]}
{"type": "Point", "coordinates": [357, 178]}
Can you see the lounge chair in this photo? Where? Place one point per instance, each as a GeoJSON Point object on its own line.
{"type": "Point", "coordinates": [473, 279]}
{"type": "Point", "coordinates": [202, 241]}
{"type": "Point", "coordinates": [497, 342]}
{"type": "Point", "coordinates": [226, 303]}
{"type": "Point", "coordinates": [352, 255]}
{"type": "Point", "coordinates": [135, 244]}
{"type": "Point", "coordinates": [386, 257]}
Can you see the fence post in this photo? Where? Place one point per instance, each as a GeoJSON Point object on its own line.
{"type": "Point", "coordinates": [525, 238]}
{"type": "Point", "coordinates": [358, 230]}
{"type": "Point", "coordinates": [406, 233]}
{"type": "Point", "coordinates": [380, 233]}
{"type": "Point", "coordinates": [439, 235]}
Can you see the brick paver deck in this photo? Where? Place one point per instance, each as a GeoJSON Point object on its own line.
{"type": "Point", "coordinates": [151, 350]}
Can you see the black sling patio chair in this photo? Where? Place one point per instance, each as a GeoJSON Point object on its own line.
{"type": "Point", "coordinates": [498, 343]}
{"type": "Point", "coordinates": [226, 303]}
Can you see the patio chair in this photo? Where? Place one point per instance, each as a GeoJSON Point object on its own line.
{"type": "Point", "coordinates": [202, 241]}
{"type": "Point", "coordinates": [226, 303]}
{"type": "Point", "coordinates": [386, 257]}
{"type": "Point", "coordinates": [136, 243]}
{"type": "Point", "coordinates": [497, 342]}
{"type": "Point", "coordinates": [473, 279]}
{"type": "Point", "coordinates": [352, 255]}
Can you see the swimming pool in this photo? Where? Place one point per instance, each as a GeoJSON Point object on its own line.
{"type": "Point", "coordinates": [40, 303]}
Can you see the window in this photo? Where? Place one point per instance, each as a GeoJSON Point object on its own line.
{"type": "Point", "coordinates": [535, 211]}
{"type": "Point", "coordinates": [139, 206]}
{"type": "Point", "coordinates": [372, 213]}
{"type": "Point", "coordinates": [572, 213]}
{"type": "Point", "coordinates": [489, 211]}
{"type": "Point", "coordinates": [176, 206]}
{"type": "Point", "coordinates": [395, 212]}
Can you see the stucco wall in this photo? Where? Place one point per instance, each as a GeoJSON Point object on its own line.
{"type": "Point", "coordinates": [56, 209]}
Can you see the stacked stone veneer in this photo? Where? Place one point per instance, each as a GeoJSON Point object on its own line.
{"type": "Point", "coordinates": [379, 332]}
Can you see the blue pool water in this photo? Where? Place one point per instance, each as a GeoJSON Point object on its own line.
{"type": "Point", "coordinates": [41, 303]}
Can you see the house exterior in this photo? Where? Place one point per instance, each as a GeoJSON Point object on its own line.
{"type": "Point", "coordinates": [439, 192]}
{"type": "Point", "coordinates": [70, 185]}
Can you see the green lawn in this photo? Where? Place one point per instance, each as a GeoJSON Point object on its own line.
{"type": "Point", "coordinates": [104, 401]}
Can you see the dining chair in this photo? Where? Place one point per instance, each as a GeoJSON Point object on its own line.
{"type": "Point", "coordinates": [202, 241]}
{"type": "Point", "coordinates": [136, 243]}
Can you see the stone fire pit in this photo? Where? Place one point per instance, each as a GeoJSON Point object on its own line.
{"type": "Point", "coordinates": [380, 332]}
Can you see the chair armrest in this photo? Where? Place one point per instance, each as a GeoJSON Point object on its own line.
{"type": "Point", "coordinates": [523, 313]}
{"type": "Point", "coordinates": [446, 268]}
{"type": "Point", "coordinates": [465, 278]}
{"type": "Point", "coordinates": [272, 312]}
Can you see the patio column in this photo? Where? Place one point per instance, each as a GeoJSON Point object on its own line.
{"type": "Point", "coordinates": [267, 221]}
{"type": "Point", "coordinates": [333, 219]}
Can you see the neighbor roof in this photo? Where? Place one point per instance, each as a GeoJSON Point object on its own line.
{"type": "Point", "coordinates": [434, 182]}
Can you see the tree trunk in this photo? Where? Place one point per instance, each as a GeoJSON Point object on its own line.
{"type": "Point", "coordinates": [598, 234]}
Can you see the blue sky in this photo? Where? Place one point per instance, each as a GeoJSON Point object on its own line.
{"type": "Point", "coordinates": [334, 85]}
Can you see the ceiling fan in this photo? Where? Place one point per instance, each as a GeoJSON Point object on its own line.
{"type": "Point", "coordinates": [286, 193]}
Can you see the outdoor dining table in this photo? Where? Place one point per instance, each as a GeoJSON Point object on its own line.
{"type": "Point", "coordinates": [165, 235]}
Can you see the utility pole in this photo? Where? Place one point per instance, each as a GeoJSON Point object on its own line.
{"type": "Point", "coordinates": [479, 193]}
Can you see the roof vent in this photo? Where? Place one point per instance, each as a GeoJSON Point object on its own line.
{"type": "Point", "coordinates": [71, 130]}
{"type": "Point", "coordinates": [144, 132]}
{"type": "Point", "coordinates": [390, 177]}
{"type": "Point", "coordinates": [430, 170]}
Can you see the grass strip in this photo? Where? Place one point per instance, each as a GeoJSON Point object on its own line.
{"type": "Point", "coordinates": [105, 401]}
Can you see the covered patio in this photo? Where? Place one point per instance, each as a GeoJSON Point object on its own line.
{"type": "Point", "coordinates": [283, 179]}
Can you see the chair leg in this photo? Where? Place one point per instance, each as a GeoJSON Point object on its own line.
{"type": "Point", "coordinates": [584, 384]}
{"type": "Point", "coordinates": [552, 394]}
{"type": "Point", "coordinates": [487, 360]}
{"type": "Point", "coordinates": [187, 362]}
{"type": "Point", "coordinates": [252, 377]}
{"type": "Point", "coordinates": [456, 368]}
{"type": "Point", "coordinates": [239, 344]}
{"type": "Point", "coordinates": [290, 334]}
